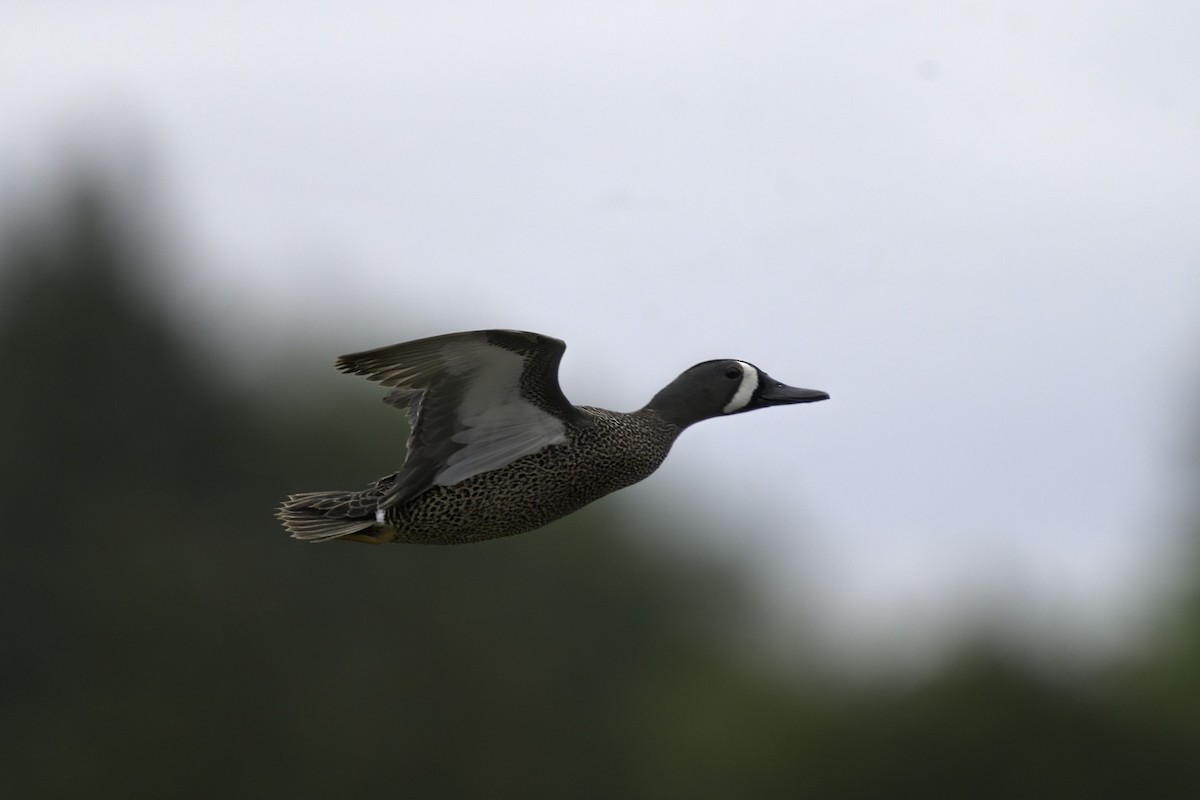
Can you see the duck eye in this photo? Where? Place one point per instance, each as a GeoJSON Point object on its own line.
{"type": "Point", "coordinates": [733, 372]}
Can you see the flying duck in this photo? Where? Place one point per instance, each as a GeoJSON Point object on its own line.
{"type": "Point", "coordinates": [496, 449]}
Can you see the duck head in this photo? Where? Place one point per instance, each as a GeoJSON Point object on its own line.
{"type": "Point", "coordinates": [722, 387]}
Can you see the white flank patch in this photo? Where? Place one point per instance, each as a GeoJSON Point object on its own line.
{"type": "Point", "coordinates": [380, 516]}
{"type": "Point", "coordinates": [745, 390]}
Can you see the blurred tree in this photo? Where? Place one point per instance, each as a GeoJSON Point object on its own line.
{"type": "Point", "coordinates": [989, 727]}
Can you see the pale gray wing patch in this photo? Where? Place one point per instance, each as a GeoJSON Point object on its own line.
{"type": "Point", "coordinates": [497, 426]}
{"type": "Point", "coordinates": [498, 437]}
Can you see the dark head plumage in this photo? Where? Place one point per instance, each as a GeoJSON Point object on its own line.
{"type": "Point", "coordinates": [724, 386]}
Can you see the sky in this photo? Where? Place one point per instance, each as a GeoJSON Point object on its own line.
{"type": "Point", "coordinates": [974, 224]}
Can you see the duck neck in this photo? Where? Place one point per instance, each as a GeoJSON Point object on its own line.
{"type": "Point", "coordinates": [675, 406]}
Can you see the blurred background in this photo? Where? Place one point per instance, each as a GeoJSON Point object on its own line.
{"type": "Point", "coordinates": [973, 572]}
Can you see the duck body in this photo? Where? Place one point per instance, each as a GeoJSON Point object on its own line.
{"type": "Point", "coordinates": [496, 449]}
{"type": "Point", "coordinates": [609, 451]}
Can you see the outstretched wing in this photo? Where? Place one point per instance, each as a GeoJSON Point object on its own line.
{"type": "Point", "coordinates": [476, 401]}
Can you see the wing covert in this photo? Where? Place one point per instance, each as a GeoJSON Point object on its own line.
{"type": "Point", "coordinates": [476, 402]}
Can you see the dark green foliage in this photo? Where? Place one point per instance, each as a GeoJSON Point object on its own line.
{"type": "Point", "coordinates": [164, 638]}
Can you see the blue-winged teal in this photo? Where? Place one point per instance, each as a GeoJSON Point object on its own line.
{"type": "Point", "coordinates": [496, 449]}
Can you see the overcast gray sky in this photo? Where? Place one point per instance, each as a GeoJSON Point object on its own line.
{"type": "Point", "coordinates": [974, 224]}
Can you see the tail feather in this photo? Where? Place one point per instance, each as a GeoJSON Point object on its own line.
{"type": "Point", "coordinates": [321, 516]}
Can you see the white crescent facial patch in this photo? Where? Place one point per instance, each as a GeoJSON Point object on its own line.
{"type": "Point", "coordinates": [745, 389]}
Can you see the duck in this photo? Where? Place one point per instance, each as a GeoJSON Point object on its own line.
{"type": "Point", "coordinates": [496, 449]}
